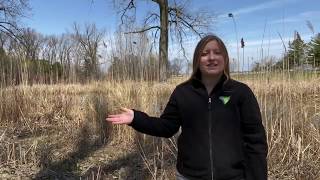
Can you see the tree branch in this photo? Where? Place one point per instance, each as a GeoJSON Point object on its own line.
{"type": "Point", "coordinates": [10, 32]}
{"type": "Point", "coordinates": [124, 11]}
{"type": "Point", "coordinates": [143, 30]}
{"type": "Point", "coordinates": [154, 15]}
{"type": "Point", "coordinates": [179, 16]}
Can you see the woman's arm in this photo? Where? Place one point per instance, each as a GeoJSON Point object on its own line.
{"type": "Point", "coordinates": [255, 143]}
{"type": "Point", "coordinates": [165, 126]}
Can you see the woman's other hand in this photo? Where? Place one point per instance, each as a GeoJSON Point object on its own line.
{"type": "Point", "coordinates": [125, 117]}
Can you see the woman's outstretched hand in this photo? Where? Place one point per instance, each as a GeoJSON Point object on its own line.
{"type": "Point", "coordinates": [125, 117]}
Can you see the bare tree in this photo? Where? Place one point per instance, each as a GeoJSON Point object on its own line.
{"type": "Point", "coordinates": [10, 11]}
{"type": "Point", "coordinates": [172, 17]}
{"type": "Point", "coordinates": [23, 60]}
{"type": "Point", "coordinates": [88, 41]}
{"type": "Point", "coordinates": [64, 52]}
{"type": "Point", "coordinates": [50, 49]}
{"type": "Point", "coordinates": [176, 67]}
{"type": "Point", "coordinates": [32, 41]}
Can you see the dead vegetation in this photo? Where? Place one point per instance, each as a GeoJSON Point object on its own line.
{"type": "Point", "coordinates": [59, 131]}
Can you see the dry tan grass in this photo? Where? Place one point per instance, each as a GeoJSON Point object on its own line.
{"type": "Point", "coordinates": [290, 112]}
{"type": "Point", "coordinates": [60, 129]}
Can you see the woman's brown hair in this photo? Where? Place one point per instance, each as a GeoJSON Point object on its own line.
{"type": "Point", "coordinates": [197, 54]}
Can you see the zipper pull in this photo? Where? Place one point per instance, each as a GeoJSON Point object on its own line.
{"type": "Point", "coordinates": [209, 103]}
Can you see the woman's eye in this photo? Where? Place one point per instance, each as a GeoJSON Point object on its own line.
{"type": "Point", "coordinates": [204, 53]}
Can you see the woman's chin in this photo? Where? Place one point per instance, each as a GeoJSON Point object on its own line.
{"type": "Point", "coordinates": [213, 73]}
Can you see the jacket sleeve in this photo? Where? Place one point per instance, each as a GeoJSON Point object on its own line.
{"type": "Point", "coordinates": [165, 126]}
{"type": "Point", "coordinates": [254, 137]}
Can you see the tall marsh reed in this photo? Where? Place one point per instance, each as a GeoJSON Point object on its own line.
{"type": "Point", "coordinates": [49, 130]}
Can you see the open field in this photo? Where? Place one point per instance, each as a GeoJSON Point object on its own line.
{"type": "Point", "coordinates": [59, 131]}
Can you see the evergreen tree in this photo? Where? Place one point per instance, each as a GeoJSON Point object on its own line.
{"type": "Point", "coordinates": [296, 53]}
{"type": "Point", "coordinates": [314, 51]}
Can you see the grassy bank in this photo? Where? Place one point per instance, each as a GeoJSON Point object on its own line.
{"type": "Point", "coordinates": [58, 131]}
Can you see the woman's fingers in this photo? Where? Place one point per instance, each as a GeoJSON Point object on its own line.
{"type": "Point", "coordinates": [113, 119]}
{"type": "Point", "coordinates": [116, 120]}
{"type": "Point", "coordinates": [114, 115]}
{"type": "Point", "coordinates": [121, 118]}
{"type": "Point", "coordinates": [123, 109]}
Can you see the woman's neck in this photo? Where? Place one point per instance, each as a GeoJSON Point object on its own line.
{"type": "Point", "coordinates": [210, 82]}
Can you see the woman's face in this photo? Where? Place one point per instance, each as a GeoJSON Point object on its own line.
{"type": "Point", "coordinates": [212, 61]}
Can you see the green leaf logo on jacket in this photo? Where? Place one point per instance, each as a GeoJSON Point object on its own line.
{"type": "Point", "coordinates": [224, 99]}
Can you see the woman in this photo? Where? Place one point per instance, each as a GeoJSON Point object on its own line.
{"type": "Point", "coordinates": [222, 134]}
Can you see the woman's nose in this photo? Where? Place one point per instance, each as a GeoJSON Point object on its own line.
{"type": "Point", "coordinates": [211, 55]}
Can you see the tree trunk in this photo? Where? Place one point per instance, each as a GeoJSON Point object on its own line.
{"type": "Point", "coordinates": [163, 45]}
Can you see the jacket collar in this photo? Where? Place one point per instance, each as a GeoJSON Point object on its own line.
{"type": "Point", "coordinates": [218, 89]}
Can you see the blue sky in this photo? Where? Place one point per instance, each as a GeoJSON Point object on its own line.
{"type": "Point", "coordinates": [258, 22]}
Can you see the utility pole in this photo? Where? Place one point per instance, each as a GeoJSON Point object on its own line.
{"type": "Point", "coordinates": [235, 29]}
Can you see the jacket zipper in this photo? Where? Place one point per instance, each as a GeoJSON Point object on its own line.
{"type": "Point", "coordinates": [210, 136]}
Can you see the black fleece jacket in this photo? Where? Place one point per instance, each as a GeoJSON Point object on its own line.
{"type": "Point", "coordinates": [222, 135]}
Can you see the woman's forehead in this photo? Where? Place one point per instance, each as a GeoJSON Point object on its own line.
{"type": "Point", "coordinates": [212, 44]}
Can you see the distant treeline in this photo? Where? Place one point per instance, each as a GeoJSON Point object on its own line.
{"type": "Point", "coordinates": [83, 55]}
{"type": "Point", "coordinates": [86, 54]}
{"type": "Point", "coordinates": [299, 55]}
